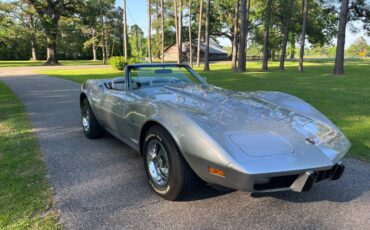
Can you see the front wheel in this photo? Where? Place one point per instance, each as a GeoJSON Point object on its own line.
{"type": "Point", "coordinates": [168, 173]}
{"type": "Point", "coordinates": [90, 125]}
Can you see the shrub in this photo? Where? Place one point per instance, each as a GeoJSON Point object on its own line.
{"type": "Point", "coordinates": [117, 62]}
{"type": "Point", "coordinates": [133, 60]}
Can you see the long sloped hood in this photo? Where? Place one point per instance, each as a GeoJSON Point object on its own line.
{"type": "Point", "coordinates": [226, 109]}
{"type": "Point", "coordinates": [249, 120]}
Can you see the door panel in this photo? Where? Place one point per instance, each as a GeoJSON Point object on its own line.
{"type": "Point", "coordinates": [117, 108]}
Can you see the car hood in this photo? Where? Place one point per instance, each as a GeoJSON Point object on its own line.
{"type": "Point", "coordinates": [247, 120]}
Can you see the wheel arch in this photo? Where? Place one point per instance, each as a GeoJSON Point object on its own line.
{"type": "Point", "coordinates": [82, 98]}
{"type": "Point", "coordinates": [147, 125]}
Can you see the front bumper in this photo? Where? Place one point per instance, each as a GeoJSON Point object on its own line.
{"type": "Point", "coordinates": [305, 181]}
{"type": "Point", "coordinates": [298, 181]}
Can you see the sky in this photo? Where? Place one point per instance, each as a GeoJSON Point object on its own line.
{"type": "Point", "coordinates": [137, 14]}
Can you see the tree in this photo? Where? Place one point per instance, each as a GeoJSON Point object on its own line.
{"type": "Point", "coordinates": [149, 32]}
{"type": "Point", "coordinates": [125, 30]}
{"type": "Point", "coordinates": [222, 20]}
{"type": "Point", "coordinates": [137, 41]}
{"type": "Point", "coordinates": [162, 29]}
{"type": "Point", "coordinates": [199, 31]}
{"type": "Point", "coordinates": [179, 30]}
{"type": "Point", "coordinates": [339, 57]}
{"type": "Point", "coordinates": [19, 31]}
{"type": "Point", "coordinates": [286, 18]}
{"type": "Point", "coordinates": [359, 48]}
{"type": "Point", "coordinates": [206, 53]}
{"type": "Point", "coordinates": [236, 36]}
{"type": "Point", "coordinates": [49, 13]}
{"type": "Point", "coordinates": [25, 14]}
{"type": "Point", "coordinates": [243, 36]}
{"type": "Point", "coordinates": [358, 10]}
{"type": "Point", "coordinates": [103, 38]}
{"type": "Point", "coordinates": [90, 15]}
{"type": "Point", "coordinates": [266, 34]}
{"type": "Point", "coordinates": [190, 40]}
{"type": "Point", "coordinates": [303, 34]}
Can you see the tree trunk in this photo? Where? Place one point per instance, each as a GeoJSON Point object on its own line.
{"type": "Point", "coordinates": [179, 14]}
{"type": "Point", "coordinates": [32, 27]}
{"type": "Point", "coordinates": [235, 37]}
{"type": "Point", "coordinates": [283, 51]}
{"type": "Point", "coordinates": [51, 47]}
{"type": "Point", "coordinates": [107, 49]}
{"type": "Point", "coordinates": [266, 35]}
{"type": "Point", "coordinates": [124, 30]}
{"type": "Point", "coordinates": [292, 47]}
{"type": "Point", "coordinates": [104, 52]}
{"type": "Point", "coordinates": [137, 44]}
{"type": "Point", "coordinates": [339, 55]}
{"type": "Point", "coordinates": [190, 39]}
{"type": "Point", "coordinates": [285, 43]}
{"type": "Point", "coordinates": [33, 49]}
{"type": "Point", "coordinates": [303, 35]}
{"type": "Point", "coordinates": [273, 55]}
{"type": "Point", "coordinates": [199, 31]}
{"type": "Point", "coordinates": [149, 33]}
{"type": "Point", "coordinates": [206, 53]}
{"type": "Point", "coordinates": [176, 19]}
{"type": "Point", "coordinates": [243, 36]}
{"type": "Point", "coordinates": [287, 12]}
{"type": "Point", "coordinates": [162, 28]}
{"type": "Point", "coordinates": [247, 24]}
{"type": "Point", "coordinates": [156, 27]}
{"type": "Point", "coordinates": [94, 45]}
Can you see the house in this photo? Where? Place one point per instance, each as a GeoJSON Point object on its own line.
{"type": "Point", "coordinates": [216, 52]}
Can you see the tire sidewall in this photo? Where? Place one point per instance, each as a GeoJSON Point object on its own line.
{"type": "Point", "coordinates": [169, 189]}
{"type": "Point", "coordinates": [95, 130]}
{"type": "Point", "coordinates": [85, 104]}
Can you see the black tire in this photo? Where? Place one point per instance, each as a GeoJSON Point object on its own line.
{"type": "Point", "coordinates": [93, 129]}
{"type": "Point", "coordinates": [181, 178]}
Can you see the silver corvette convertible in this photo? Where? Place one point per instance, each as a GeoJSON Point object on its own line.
{"type": "Point", "coordinates": [187, 130]}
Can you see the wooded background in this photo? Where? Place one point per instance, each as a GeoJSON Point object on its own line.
{"type": "Point", "coordinates": [96, 29]}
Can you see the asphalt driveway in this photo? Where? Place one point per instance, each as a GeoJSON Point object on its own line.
{"type": "Point", "coordinates": [101, 184]}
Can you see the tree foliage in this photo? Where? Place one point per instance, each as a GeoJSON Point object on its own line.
{"type": "Point", "coordinates": [359, 48]}
{"type": "Point", "coordinates": [93, 29]}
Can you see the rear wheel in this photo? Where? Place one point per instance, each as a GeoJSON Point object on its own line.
{"type": "Point", "coordinates": [168, 173]}
{"type": "Point", "coordinates": [90, 125]}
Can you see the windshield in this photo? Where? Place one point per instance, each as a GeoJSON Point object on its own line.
{"type": "Point", "coordinates": [158, 76]}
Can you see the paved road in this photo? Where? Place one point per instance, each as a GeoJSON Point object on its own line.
{"type": "Point", "coordinates": [101, 184]}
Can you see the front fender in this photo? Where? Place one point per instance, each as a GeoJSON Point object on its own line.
{"type": "Point", "coordinates": [198, 148]}
{"type": "Point", "coordinates": [294, 103]}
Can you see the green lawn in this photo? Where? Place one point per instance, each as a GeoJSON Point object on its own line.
{"type": "Point", "coordinates": [25, 194]}
{"type": "Point", "coordinates": [40, 63]}
{"type": "Point", "coordinates": [345, 100]}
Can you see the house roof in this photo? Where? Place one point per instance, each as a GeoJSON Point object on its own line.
{"type": "Point", "coordinates": [214, 48]}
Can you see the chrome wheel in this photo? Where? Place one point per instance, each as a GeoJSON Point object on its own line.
{"type": "Point", "coordinates": [85, 118]}
{"type": "Point", "coordinates": [157, 161]}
